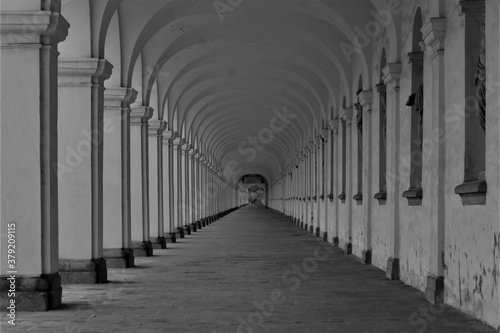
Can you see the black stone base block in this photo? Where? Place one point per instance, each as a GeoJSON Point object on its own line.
{"type": "Point", "coordinates": [317, 232]}
{"type": "Point", "coordinates": [348, 248]}
{"type": "Point", "coordinates": [159, 243]}
{"type": "Point", "coordinates": [325, 236]}
{"type": "Point", "coordinates": [193, 226]}
{"type": "Point", "coordinates": [335, 241]}
{"type": "Point", "coordinates": [33, 293]}
{"type": "Point", "coordinates": [311, 229]}
{"type": "Point", "coordinates": [82, 271]}
{"type": "Point", "coordinates": [180, 232]}
{"type": "Point", "coordinates": [119, 258]}
{"type": "Point", "coordinates": [392, 271]}
{"type": "Point", "coordinates": [142, 249]}
{"type": "Point", "coordinates": [187, 230]}
{"type": "Point", "coordinates": [366, 257]}
{"type": "Point", "coordinates": [434, 292]}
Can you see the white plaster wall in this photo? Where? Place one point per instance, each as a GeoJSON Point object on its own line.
{"type": "Point", "coordinates": [112, 180]}
{"type": "Point", "coordinates": [135, 183]}
{"type": "Point", "coordinates": [20, 157]}
{"type": "Point", "coordinates": [472, 232]}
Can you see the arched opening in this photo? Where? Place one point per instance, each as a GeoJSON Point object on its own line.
{"type": "Point", "coordinates": [415, 103]}
{"type": "Point", "coordinates": [382, 119]}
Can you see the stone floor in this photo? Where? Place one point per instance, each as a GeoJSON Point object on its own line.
{"type": "Point", "coordinates": [251, 271]}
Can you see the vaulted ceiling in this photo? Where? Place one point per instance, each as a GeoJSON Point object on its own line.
{"type": "Point", "coordinates": [219, 71]}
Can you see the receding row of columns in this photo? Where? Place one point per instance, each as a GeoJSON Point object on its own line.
{"type": "Point", "coordinates": [90, 179]}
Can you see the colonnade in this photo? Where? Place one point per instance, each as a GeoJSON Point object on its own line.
{"type": "Point", "coordinates": [90, 179]}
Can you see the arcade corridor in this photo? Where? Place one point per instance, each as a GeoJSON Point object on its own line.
{"type": "Point", "coordinates": [372, 126]}
{"type": "Point", "coordinates": [223, 278]}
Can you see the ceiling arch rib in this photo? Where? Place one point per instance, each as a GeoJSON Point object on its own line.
{"type": "Point", "coordinates": [217, 118]}
{"type": "Point", "coordinates": [209, 73]}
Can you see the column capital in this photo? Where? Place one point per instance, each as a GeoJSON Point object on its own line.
{"type": "Point", "coordinates": [178, 141]}
{"type": "Point", "coordinates": [140, 114]}
{"type": "Point", "coordinates": [365, 99]}
{"type": "Point", "coordinates": [45, 27]}
{"type": "Point", "coordinates": [473, 7]}
{"type": "Point", "coordinates": [103, 72]}
{"type": "Point", "coordinates": [334, 125]}
{"type": "Point", "coordinates": [168, 136]}
{"type": "Point", "coordinates": [192, 152]}
{"type": "Point", "coordinates": [347, 114]}
{"type": "Point", "coordinates": [76, 72]}
{"type": "Point", "coordinates": [434, 32]}
{"type": "Point", "coordinates": [186, 146]}
{"type": "Point", "coordinates": [156, 127]}
{"type": "Point", "coordinates": [324, 133]}
{"type": "Point", "coordinates": [391, 75]}
{"type": "Point", "coordinates": [115, 97]}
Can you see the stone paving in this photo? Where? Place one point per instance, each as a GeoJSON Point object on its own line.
{"type": "Point", "coordinates": [251, 271]}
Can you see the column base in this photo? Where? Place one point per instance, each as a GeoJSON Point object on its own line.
{"type": "Point", "coordinates": [119, 258]}
{"type": "Point", "coordinates": [302, 225]}
{"type": "Point", "coordinates": [170, 237]}
{"type": "Point", "coordinates": [187, 230]}
{"type": "Point", "coordinates": [435, 289]}
{"type": "Point", "coordinates": [335, 241]}
{"type": "Point", "coordinates": [142, 249]}
{"type": "Point", "coordinates": [180, 232]}
{"type": "Point", "coordinates": [392, 271]}
{"type": "Point", "coordinates": [33, 293]}
{"type": "Point", "coordinates": [198, 224]}
{"type": "Point", "coordinates": [193, 226]}
{"type": "Point", "coordinates": [366, 257]}
{"type": "Point", "coordinates": [306, 226]}
{"type": "Point", "coordinates": [317, 232]}
{"type": "Point", "coordinates": [348, 248]}
{"type": "Point", "coordinates": [82, 271]}
{"type": "Point", "coordinates": [325, 236]}
{"type": "Point", "coordinates": [160, 243]}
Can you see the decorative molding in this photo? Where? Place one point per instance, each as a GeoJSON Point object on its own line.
{"type": "Point", "coordinates": [434, 33]}
{"type": "Point", "coordinates": [391, 75]}
{"type": "Point", "coordinates": [140, 114]}
{"type": "Point", "coordinates": [347, 115]}
{"type": "Point", "coordinates": [156, 127]}
{"type": "Point", "coordinates": [474, 7]}
{"type": "Point", "coordinates": [45, 27]}
{"type": "Point", "coordinates": [103, 72]}
{"type": "Point", "coordinates": [76, 72]}
{"type": "Point", "coordinates": [366, 99]}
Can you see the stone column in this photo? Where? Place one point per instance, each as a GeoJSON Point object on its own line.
{"type": "Point", "coordinates": [139, 187]}
{"type": "Point", "coordinates": [168, 187]}
{"type": "Point", "coordinates": [29, 164]}
{"type": "Point", "coordinates": [334, 181]}
{"type": "Point", "coordinates": [178, 184]}
{"type": "Point", "coordinates": [155, 144]}
{"type": "Point", "coordinates": [434, 34]}
{"type": "Point", "coordinates": [347, 115]}
{"type": "Point", "coordinates": [365, 99]}
{"type": "Point", "coordinates": [80, 133]}
{"type": "Point", "coordinates": [391, 74]}
{"type": "Point", "coordinates": [116, 185]}
{"type": "Point", "coordinates": [186, 222]}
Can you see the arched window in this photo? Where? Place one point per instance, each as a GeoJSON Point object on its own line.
{"type": "Point", "coordinates": [416, 108]}
{"type": "Point", "coordinates": [473, 190]}
{"type": "Point", "coordinates": [359, 126]}
{"type": "Point", "coordinates": [381, 196]}
{"type": "Point", "coordinates": [344, 154]}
